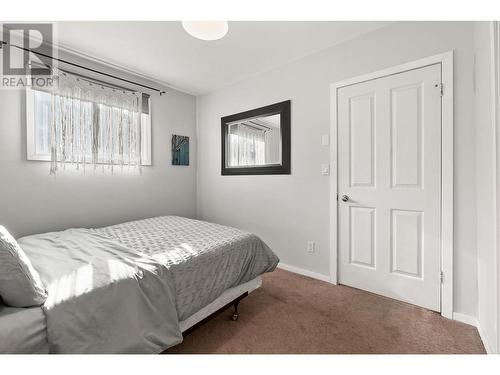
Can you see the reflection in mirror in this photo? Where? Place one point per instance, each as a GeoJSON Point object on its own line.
{"type": "Point", "coordinates": [254, 142]}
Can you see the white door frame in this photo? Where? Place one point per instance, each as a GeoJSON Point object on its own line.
{"type": "Point", "coordinates": [446, 61]}
{"type": "Point", "coordinates": [495, 88]}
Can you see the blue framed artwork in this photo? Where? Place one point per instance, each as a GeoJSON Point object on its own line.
{"type": "Point", "coordinates": [180, 150]}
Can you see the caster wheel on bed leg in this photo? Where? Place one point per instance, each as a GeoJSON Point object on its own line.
{"type": "Point", "coordinates": [235, 315]}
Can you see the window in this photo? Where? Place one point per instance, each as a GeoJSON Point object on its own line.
{"type": "Point", "coordinates": [39, 117]}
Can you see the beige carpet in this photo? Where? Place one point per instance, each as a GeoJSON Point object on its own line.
{"type": "Point", "coordinates": [297, 314]}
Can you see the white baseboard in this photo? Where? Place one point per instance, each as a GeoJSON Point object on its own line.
{"type": "Point", "coordinates": [304, 272]}
{"type": "Point", "coordinates": [486, 344]}
{"type": "Point", "coordinates": [467, 319]}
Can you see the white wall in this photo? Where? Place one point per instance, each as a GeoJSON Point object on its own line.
{"type": "Point", "coordinates": [485, 188]}
{"type": "Point", "coordinates": [288, 210]}
{"type": "Point", "coordinates": [32, 201]}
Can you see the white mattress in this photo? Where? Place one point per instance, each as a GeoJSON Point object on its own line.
{"type": "Point", "coordinates": [226, 297]}
{"type": "Point", "coordinates": [22, 330]}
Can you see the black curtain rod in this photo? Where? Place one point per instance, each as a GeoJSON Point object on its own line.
{"type": "Point", "coordinates": [86, 68]}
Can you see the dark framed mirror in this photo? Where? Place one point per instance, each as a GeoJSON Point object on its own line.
{"type": "Point", "coordinates": [257, 141]}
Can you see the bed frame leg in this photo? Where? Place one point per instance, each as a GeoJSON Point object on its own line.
{"type": "Point", "coordinates": [235, 315]}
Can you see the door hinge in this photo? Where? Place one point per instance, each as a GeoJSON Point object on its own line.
{"type": "Point", "coordinates": [441, 89]}
{"type": "Point", "coordinates": [337, 197]}
{"type": "Point", "coordinates": [441, 277]}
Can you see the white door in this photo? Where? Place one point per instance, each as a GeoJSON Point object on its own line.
{"type": "Point", "coordinates": [389, 184]}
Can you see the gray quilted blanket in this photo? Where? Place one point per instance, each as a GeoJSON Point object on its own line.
{"type": "Point", "coordinates": [205, 258]}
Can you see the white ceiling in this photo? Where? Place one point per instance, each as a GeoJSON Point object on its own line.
{"type": "Point", "coordinates": [164, 52]}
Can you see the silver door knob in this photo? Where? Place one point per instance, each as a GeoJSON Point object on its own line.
{"type": "Point", "coordinates": [345, 198]}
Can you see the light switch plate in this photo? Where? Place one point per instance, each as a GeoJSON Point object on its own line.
{"type": "Point", "coordinates": [325, 140]}
{"type": "Point", "coordinates": [311, 247]}
{"type": "Point", "coordinates": [325, 169]}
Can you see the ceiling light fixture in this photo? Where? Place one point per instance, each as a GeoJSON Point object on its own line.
{"type": "Point", "coordinates": [206, 30]}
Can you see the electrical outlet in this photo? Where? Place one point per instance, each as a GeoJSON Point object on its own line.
{"type": "Point", "coordinates": [325, 169]}
{"type": "Point", "coordinates": [310, 246]}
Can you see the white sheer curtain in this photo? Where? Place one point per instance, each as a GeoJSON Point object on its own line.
{"type": "Point", "coordinates": [94, 125]}
{"type": "Point", "coordinates": [247, 145]}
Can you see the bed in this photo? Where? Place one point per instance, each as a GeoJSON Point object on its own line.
{"type": "Point", "coordinates": [134, 287]}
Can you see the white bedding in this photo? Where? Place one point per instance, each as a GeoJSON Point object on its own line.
{"type": "Point", "coordinates": [22, 330]}
{"type": "Point", "coordinates": [102, 296]}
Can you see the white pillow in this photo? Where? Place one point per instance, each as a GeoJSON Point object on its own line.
{"type": "Point", "coordinates": [20, 284]}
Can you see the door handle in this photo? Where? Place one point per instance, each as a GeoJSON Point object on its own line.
{"type": "Point", "coordinates": [345, 198]}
